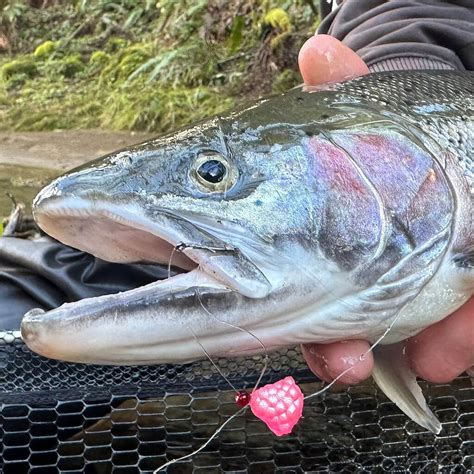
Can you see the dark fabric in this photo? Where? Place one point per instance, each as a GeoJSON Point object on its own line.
{"type": "Point", "coordinates": [45, 274]}
{"type": "Point", "coordinates": [379, 30]}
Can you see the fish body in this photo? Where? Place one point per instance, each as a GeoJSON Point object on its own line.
{"type": "Point", "coordinates": [321, 214]}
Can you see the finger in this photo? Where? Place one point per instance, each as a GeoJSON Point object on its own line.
{"type": "Point", "coordinates": [325, 59]}
{"type": "Point", "coordinates": [443, 351]}
{"type": "Point", "coordinates": [328, 361]}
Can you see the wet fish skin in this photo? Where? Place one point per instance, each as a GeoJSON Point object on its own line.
{"type": "Point", "coordinates": [351, 205]}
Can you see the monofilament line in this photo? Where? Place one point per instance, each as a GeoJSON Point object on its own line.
{"type": "Point", "coordinates": [260, 342]}
{"type": "Point", "coordinates": [182, 458]}
{"type": "Point", "coordinates": [212, 362]}
{"type": "Point", "coordinates": [361, 358]}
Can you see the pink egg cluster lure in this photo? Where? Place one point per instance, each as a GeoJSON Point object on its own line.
{"type": "Point", "coordinates": [279, 404]}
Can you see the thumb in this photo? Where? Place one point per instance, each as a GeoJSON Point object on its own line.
{"type": "Point", "coordinates": [324, 59]}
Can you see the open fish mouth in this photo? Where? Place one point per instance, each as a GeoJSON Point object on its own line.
{"type": "Point", "coordinates": [113, 233]}
{"type": "Point", "coordinates": [149, 323]}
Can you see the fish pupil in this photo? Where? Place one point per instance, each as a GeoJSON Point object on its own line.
{"type": "Point", "coordinates": [212, 171]}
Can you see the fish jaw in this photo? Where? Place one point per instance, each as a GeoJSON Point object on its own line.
{"type": "Point", "coordinates": [139, 326]}
{"type": "Point", "coordinates": [183, 318]}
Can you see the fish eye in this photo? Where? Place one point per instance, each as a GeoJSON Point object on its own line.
{"type": "Point", "coordinates": [213, 172]}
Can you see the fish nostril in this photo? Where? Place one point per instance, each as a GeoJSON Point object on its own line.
{"type": "Point", "coordinates": [124, 160]}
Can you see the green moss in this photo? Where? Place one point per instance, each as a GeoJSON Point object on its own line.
{"type": "Point", "coordinates": [99, 58]}
{"type": "Point", "coordinates": [286, 80]}
{"type": "Point", "coordinates": [25, 66]}
{"type": "Point", "coordinates": [126, 62]}
{"type": "Point", "coordinates": [278, 19]}
{"type": "Point", "coordinates": [69, 66]}
{"type": "Point", "coordinates": [45, 50]}
{"type": "Point", "coordinates": [3, 99]}
{"type": "Point", "coordinates": [115, 44]}
{"type": "Point", "coordinates": [133, 57]}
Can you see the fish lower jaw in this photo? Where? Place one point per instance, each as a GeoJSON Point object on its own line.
{"type": "Point", "coordinates": [131, 327]}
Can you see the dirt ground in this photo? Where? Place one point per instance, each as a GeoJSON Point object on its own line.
{"type": "Point", "coordinates": [62, 150]}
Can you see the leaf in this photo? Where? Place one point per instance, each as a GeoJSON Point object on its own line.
{"type": "Point", "coordinates": [143, 68]}
{"type": "Point", "coordinates": [133, 17]}
{"type": "Point", "coordinates": [162, 64]}
{"type": "Point", "coordinates": [235, 38]}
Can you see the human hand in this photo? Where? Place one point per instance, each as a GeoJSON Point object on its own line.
{"type": "Point", "coordinates": [439, 353]}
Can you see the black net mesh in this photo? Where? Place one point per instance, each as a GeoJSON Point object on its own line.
{"type": "Point", "coordinates": [59, 417]}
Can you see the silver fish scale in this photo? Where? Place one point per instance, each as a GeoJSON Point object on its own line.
{"type": "Point", "coordinates": [440, 102]}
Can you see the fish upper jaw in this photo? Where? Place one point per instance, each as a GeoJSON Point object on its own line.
{"type": "Point", "coordinates": [133, 228]}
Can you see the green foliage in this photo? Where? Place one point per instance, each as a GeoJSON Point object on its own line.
{"type": "Point", "coordinates": [236, 33]}
{"type": "Point", "coordinates": [99, 58]}
{"type": "Point", "coordinates": [45, 50]}
{"type": "Point", "coordinates": [189, 64]}
{"type": "Point", "coordinates": [278, 18]}
{"type": "Point", "coordinates": [3, 99]}
{"type": "Point", "coordinates": [22, 66]}
{"type": "Point", "coordinates": [286, 80]}
{"type": "Point", "coordinates": [152, 65]}
{"type": "Point", "coordinates": [70, 65]}
{"type": "Point", "coordinates": [116, 44]}
{"type": "Point", "coordinates": [163, 108]}
{"type": "Point", "coordinates": [12, 11]}
{"type": "Point", "coordinates": [125, 62]}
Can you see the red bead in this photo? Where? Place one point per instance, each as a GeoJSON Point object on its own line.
{"type": "Point", "coordinates": [242, 398]}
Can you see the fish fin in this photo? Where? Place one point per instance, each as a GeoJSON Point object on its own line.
{"type": "Point", "coordinates": [395, 378]}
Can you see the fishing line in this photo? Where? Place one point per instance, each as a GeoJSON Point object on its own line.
{"type": "Point", "coordinates": [212, 362]}
{"type": "Point", "coordinates": [175, 248]}
{"type": "Point", "coordinates": [262, 373]}
{"type": "Point", "coordinates": [213, 436]}
{"type": "Point", "coordinates": [260, 342]}
{"type": "Point", "coordinates": [182, 246]}
{"type": "Point", "coordinates": [170, 260]}
{"type": "Point", "coordinates": [361, 358]}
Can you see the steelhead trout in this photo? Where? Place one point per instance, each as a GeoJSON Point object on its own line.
{"type": "Point", "coordinates": [338, 212]}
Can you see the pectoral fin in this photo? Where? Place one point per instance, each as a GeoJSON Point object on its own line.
{"type": "Point", "coordinates": [395, 378]}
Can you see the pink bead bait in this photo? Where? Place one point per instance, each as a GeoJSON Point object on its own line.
{"type": "Point", "coordinates": [279, 405]}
